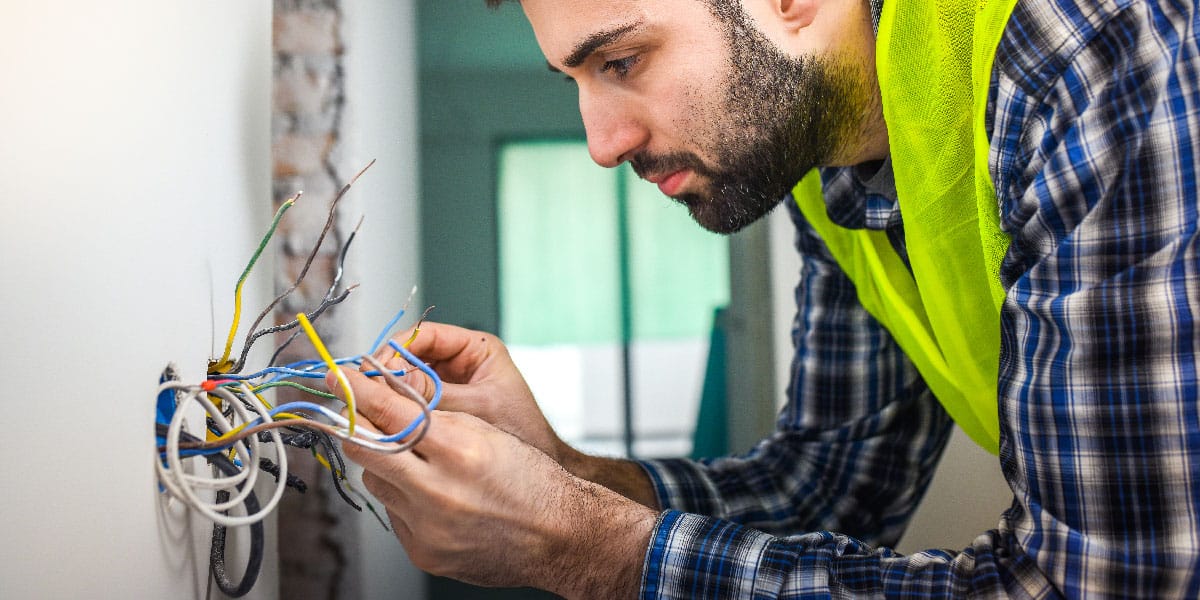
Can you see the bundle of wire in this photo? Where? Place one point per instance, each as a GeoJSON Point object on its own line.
{"type": "Point", "coordinates": [245, 434]}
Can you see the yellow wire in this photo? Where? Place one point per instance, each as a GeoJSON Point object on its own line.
{"type": "Point", "coordinates": [325, 463]}
{"type": "Point", "coordinates": [333, 368]}
{"type": "Point", "coordinates": [416, 330]}
{"type": "Point", "coordinates": [236, 430]}
{"type": "Point", "coordinates": [223, 365]}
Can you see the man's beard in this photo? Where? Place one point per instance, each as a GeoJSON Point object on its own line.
{"type": "Point", "coordinates": [780, 118]}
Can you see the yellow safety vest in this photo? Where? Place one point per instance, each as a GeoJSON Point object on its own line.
{"type": "Point", "coordinates": [934, 60]}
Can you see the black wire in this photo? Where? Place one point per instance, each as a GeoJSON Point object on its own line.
{"type": "Point", "coordinates": [311, 439]}
{"type": "Point", "coordinates": [293, 481]}
{"type": "Point", "coordinates": [216, 556]}
{"type": "Point", "coordinates": [334, 457]}
{"type": "Point", "coordinates": [329, 298]}
{"type": "Point", "coordinates": [313, 316]}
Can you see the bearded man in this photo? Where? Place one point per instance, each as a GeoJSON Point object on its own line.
{"type": "Point", "coordinates": [996, 208]}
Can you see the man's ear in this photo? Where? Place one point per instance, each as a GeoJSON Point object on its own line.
{"type": "Point", "coordinates": [795, 14]}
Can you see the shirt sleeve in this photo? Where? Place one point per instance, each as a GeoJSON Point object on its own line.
{"type": "Point", "coordinates": [1095, 160]}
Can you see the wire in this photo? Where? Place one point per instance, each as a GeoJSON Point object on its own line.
{"type": "Point", "coordinates": [392, 323]}
{"type": "Point", "coordinates": [333, 367]}
{"type": "Point", "coordinates": [424, 368]}
{"type": "Point", "coordinates": [329, 300]}
{"type": "Point", "coordinates": [316, 248]}
{"type": "Point", "coordinates": [243, 432]}
{"type": "Point", "coordinates": [216, 555]}
{"type": "Point", "coordinates": [181, 484]}
{"type": "Point", "coordinates": [217, 550]}
{"type": "Point", "coordinates": [393, 443]}
{"type": "Point", "coordinates": [223, 364]}
{"type": "Point", "coordinates": [312, 316]}
{"type": "Point", "coordinates": [417, 328]}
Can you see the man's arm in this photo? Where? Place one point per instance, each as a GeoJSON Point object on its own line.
{"type": "Point", "coordinates": [624, 477]}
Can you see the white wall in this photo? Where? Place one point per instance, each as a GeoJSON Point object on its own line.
{"type": "Point", "coordinates": [134, 184]}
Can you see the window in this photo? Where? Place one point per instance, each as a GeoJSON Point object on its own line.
{"type": "Point", "coordinates": [607, 295]}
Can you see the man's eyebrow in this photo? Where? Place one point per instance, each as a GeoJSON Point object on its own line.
{"type": "Point", "coordinates": [585, 48]}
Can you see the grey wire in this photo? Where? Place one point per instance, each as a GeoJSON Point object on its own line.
{"type": "Point", "coordinates": [312, 316]}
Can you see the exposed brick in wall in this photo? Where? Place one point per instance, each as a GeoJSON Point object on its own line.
{"type": "Point", "coordinates": [316, 531]}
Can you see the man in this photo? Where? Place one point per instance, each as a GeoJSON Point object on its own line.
{"type": "Point", "coordinates": [1006, 215]}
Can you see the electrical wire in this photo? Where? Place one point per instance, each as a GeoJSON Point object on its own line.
{"type": "Point", "coordinates": [216, 554]}
{"type": "Point", "coordinates": [315, 250]}
{"type": "Point", "coordinates": [333, 367]}
{"type": "Point", "coordinates": [417, 328]}
{"type": "Point", "coordinates": [329, 300]}
{"type": "Point", "coordinates": [182, 486]}
{"type": "Point", "coordinates": [223, 364]}
{"type": "Point", "coordinates": [243, 429]}
{"type": "Point", "coordinates": [383, 334]}
{"type": "Point", "coordinates": [217, 549]}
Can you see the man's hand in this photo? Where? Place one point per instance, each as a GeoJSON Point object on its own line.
{"type": "Point", "coordinates": [475, 503]}
{"type": "Point", "coordinates": [479, 378]}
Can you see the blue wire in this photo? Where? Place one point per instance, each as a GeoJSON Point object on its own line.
{"type": "Point", "coordinates": [418, 363]}
{"type": "Point", "coordinates": [289, 371]}
{"type": "Point", "coordinates": [386, 329]}
{"type": "Point", "coordinates": [285, 372]}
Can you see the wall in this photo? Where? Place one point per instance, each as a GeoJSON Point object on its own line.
{"type": "Point", "coordinates": [133, 177]}
{"type": "Point", "coordinates": [134, 183]}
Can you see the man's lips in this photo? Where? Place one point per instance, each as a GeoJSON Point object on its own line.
{"type": "Point", "coordinates": [669, 183]}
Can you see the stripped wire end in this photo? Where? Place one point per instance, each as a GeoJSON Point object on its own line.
{"type": "Point", "coordinates": [416, 329]}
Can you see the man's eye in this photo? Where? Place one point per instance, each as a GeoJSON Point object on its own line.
{"type": "Point", "coordinates": [620, 66]}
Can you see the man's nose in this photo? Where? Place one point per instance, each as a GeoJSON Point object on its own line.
{"type": "Point", "coordinates": [614, 131]}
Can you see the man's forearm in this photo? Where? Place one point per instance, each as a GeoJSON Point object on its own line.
{"type": "Point", "coordinates": [624, 477]}
{"type": "Point", "coordinates": [601, 547]}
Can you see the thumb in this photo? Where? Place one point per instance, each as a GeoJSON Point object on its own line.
{"type": "Point", "coordinates": [387, 410]}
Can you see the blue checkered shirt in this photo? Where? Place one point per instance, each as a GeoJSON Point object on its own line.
{"type": "Point", "coordinates": [1094, 121]}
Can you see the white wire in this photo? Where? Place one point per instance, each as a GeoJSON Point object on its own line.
{"type": "Point", "coordinates": [180, 484]}
{"type": "Point", "coordinates": [246, 477]}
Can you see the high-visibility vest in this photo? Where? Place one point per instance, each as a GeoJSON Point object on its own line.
{"type": "Point", "coordinates": [934, 60]}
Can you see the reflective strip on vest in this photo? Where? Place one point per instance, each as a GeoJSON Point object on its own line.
{"type": "Point", "coordinates": [934, 60]}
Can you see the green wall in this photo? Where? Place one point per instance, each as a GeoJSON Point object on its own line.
{"type": "Point", "coordinates": [482, 80]}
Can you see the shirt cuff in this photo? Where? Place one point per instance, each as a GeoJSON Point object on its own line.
{"type": "Point", "coordinates": [683, 485]}
{"type": "Point", "coordinates": [691, 556]}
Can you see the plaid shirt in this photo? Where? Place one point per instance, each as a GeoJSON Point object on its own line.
{"type": "Point", "coordinates": [1095, 121]}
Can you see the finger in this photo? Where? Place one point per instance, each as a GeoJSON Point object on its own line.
{"type": "Point", "coordinates": [454, 352]}
{"type": "Point", "coordinates": [387, 410]}
{"type": "Point", "coordinates": [382, 486]}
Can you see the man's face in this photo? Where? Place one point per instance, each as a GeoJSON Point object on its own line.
{"type": "Point", "coordinates": [698, 101]}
